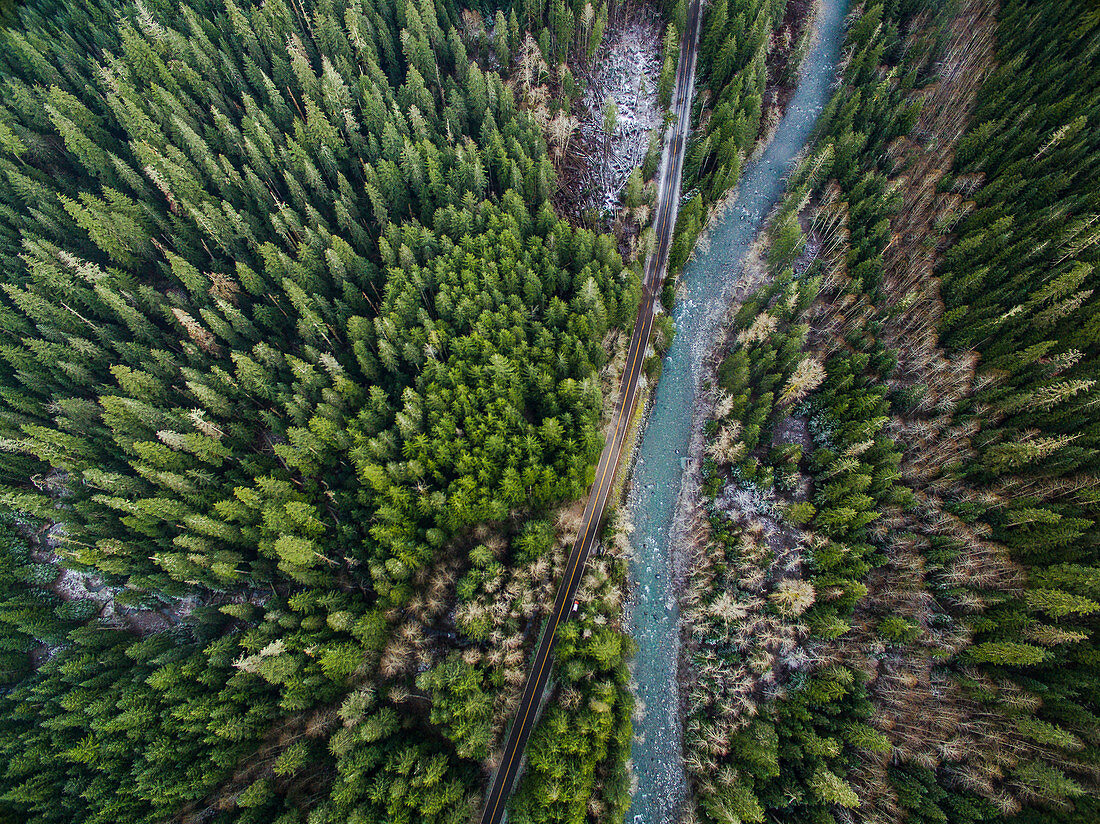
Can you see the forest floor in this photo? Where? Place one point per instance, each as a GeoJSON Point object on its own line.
{"type": "Point", "coordinates": [624, 72]}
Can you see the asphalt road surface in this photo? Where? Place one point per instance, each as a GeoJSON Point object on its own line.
{"type": "Point", "coordinates": [668, 196]}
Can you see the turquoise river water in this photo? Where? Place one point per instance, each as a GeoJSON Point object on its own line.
{"type": "Point", "coordinates": [653, 618]}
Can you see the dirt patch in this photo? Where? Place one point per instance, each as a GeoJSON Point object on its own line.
{"type": "Point", "coordinates": [811, 248]}
{"type": "Point", "coordinates": [794, 429]}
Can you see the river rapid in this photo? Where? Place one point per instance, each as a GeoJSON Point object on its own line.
{"type": "Point", "coordinates": [653, 614]}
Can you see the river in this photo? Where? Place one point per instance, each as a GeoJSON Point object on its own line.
{"type": "Point", "coordinates": [653, 619]}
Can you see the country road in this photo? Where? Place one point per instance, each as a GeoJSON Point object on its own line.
{"type": "Point", "coordinates": [668, 196]}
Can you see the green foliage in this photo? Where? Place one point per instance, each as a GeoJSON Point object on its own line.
{"type": "Point", "coordinates": [460, 705]}
{"type": "Point", "coordinates": [897, 630]}
{"type": "Point", "coordinates": [29, 614]}
{"type": "Point", "coordinates": [735, 40]}
{"type": "Point", "coordinates": [287, 315]}
{"type": "Point", "coordinates": [1019, 288]}
{"type": "Point", "coordinates": [789, 761]}
{"type": "Point", "coordinates": [567, 747]}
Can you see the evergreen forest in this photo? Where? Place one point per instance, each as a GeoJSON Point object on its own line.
{"type": "Point", "coordinates": [307, 357]}
{"type": "Point", "coordinates": [299, 365]}
{"type": "Point", "coordinates": [892, 606]}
